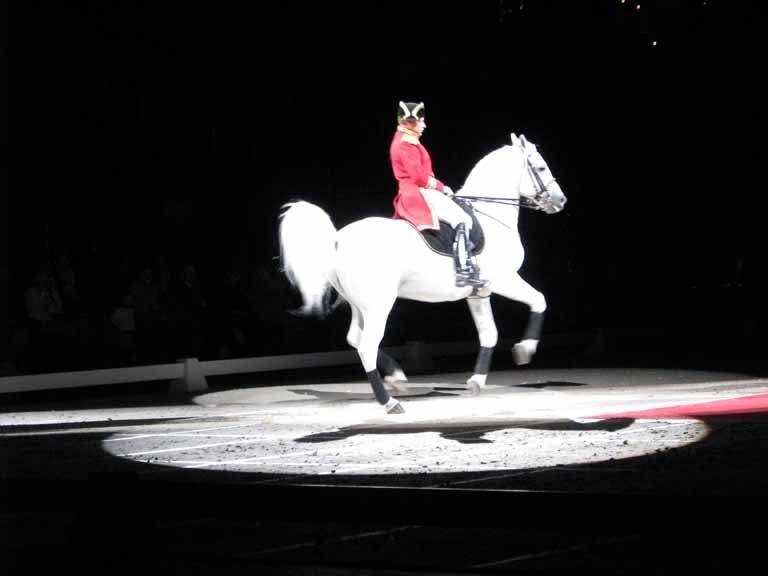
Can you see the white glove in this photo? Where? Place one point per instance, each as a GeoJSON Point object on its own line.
{"type": "Point", "coordinates": [447, 191]}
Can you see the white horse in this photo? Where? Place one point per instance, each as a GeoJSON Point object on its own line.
{"type": "Point", "coordinates": [373, 261]}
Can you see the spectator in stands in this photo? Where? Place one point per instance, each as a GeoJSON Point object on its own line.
{"type": "Point", "coordinates": [230, 316]}
{"type": "Point", "coordinates": [124, 320]}
{"type": "Point", "coordinates": [145, 292]}
{"type": "Point", "coordinates": [44, 307]}
{"type": "Point", "coordinates": [189, 307]}
{"type": "Point", "coordinates": [66, 280]}
{"type": "Point", "coordinates": [7, 364]}
{"type": "Point", "coordinates": [271, 303]}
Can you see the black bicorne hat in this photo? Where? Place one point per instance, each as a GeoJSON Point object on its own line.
{"type": "Point", "coordinates": [410, 110]}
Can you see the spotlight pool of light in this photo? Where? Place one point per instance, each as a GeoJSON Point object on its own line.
{"type": "Point", "coordinates": [337, 429]}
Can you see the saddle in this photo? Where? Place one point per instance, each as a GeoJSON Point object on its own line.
{"type": "Point", "coordinates": [441, 241]}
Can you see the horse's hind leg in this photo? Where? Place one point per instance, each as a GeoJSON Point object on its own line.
{"type": "Point", "coordinates": [355, 331]}
{"type": "Point", "coordinates": [482, 314]}
{"type": "Point", "coordinates": [393, 373]}
{"type": "Point", "coordinates": [374, 323]}
{"type": "Point", "coordinates": [515, 288]}
{"type": "Point", "coordinates": [394, 376]}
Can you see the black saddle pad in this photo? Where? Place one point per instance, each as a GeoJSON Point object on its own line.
{"type": "Point", "coordinates": [441, 241]}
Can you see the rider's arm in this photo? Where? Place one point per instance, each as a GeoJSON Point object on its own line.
{"type": "Point", "coordinates": [411, 161]}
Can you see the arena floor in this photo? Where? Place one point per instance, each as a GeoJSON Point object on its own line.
{"type": "Point", "coordinates": [546, 471]}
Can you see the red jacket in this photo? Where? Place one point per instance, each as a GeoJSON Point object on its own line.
{"type": "Point", "coordinates": [412, 167]}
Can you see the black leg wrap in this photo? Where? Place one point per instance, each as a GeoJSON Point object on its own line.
{"type": "Point", "coordinates": [533, 328]}
{"type": "Point", "coordinates": [386, 364]}
{"type": "Point", "coordinates": [483, 363]}
{"type": "Point", "coordinates": [374, 378]}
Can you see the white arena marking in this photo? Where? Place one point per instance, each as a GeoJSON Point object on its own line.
{"type": "Point", "coordinates": [161, 434]}
{"type": "Point", "coordinates": [181, 448]}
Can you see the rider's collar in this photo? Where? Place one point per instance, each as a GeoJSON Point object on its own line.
{"type": "Point", "coordinates": [409, 132]}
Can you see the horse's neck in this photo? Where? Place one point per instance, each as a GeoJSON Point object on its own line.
{"type": "Point", "coordinates": [493, 213]}
{"type": "Point", "coordinates": [496, 176]}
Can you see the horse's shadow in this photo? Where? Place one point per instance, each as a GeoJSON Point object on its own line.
{"type": "Point", "coordinates": [413, 393]}
{"type": "Point", "coordinates": [469, 433]}
{"type": "Point", "coordinates": [464, 433]}
{"type": "Point", "coordinates": [368, 396]}
{"type": "Point", "coordinates": [549, 384]}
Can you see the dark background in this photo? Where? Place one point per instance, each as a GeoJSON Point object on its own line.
{"type": "Point", "coordinates": [169, 134]}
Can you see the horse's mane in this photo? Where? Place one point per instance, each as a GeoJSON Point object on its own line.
{"type": "Point", "coordinates": [484, 177]}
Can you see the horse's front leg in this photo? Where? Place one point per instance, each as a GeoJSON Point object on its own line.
{"type": "Point", "coordinates": [515, 288]}
{"type": "Point", "coordinates": [482, 314]}
{"type": "Point", "coordinates": [524, 350]}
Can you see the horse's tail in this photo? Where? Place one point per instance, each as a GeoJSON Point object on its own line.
{"type": "Point", "coordinates": [308, 252]}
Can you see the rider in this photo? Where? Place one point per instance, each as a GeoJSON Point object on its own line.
{"type": "Point", "coordinates": [422, 199]}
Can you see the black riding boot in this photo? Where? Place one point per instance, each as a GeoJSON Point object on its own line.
{"type": "Point", "coordinates": [467, 271]}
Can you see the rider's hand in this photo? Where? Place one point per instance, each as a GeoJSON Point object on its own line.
{"type": "Point", "coordinates": [447, 191]}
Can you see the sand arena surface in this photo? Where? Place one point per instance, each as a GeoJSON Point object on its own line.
{"type": "Point", "coordinates": [524, 419]}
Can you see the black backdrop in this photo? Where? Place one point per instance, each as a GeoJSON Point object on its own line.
{"type": "Point", "coordinates": [140, 128]}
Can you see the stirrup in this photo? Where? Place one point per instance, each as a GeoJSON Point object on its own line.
{"type": "Point", "coordinates": [470, 278]}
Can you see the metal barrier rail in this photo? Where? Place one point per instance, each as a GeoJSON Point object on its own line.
{"type": "Point", "coordinates": [188, 375]}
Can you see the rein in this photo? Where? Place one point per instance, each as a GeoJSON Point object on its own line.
{"type": "Point", "coordinates": [507, 201]}
{"type": "Point", "coordinates": [519, 202]}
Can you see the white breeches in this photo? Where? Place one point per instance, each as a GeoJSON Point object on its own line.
{"type": "Point", "coordinates": [446, 209]}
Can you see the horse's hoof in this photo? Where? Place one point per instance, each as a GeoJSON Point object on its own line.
{"type": "Point", "coordinates": [523, 352]}
{"type": "Point", "coordinates": [474, 387]}
{"type": "Point", "coordinates": [520, 355]}
{"type": "Point", "coordinates": [396, 381]}
{"type": "Point", "coordinates": [476, 383]}
{"type": "Point", "coordinates": [396, 409]}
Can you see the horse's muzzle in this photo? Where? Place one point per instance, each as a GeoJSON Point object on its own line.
{"type": "Point", "coordinates": [553, 200]}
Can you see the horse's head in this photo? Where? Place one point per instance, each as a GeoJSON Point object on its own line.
{"type": "Point", "coordinates": [540, 186]}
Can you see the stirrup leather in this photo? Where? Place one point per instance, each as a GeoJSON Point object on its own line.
{"type": "Point", "coordinates": [467, 271]}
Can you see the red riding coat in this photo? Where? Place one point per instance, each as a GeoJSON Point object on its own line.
{"type": "Point", "coordinates": [412, 167]}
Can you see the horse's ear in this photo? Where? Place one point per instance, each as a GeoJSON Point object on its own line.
{"type": "Point", "coordinates": [515, 141]}
{"type": "Point", "coordinates": [523, 141]}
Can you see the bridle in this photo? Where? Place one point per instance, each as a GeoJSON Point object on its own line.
{"type": "Point", "coordinates": [529, 202]}
{"type": "Point", "coordinates": [539, 186]}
